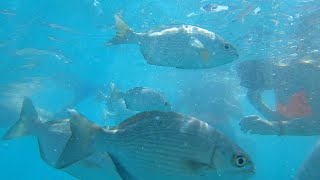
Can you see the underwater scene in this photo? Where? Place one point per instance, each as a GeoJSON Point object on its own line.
{"type": "Point", "coordinates": [159, 89]}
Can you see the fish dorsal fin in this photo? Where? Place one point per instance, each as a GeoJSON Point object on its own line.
{"type": "Point", "coordinates": [122, 171]}
{"type": "Point", "coordinates": [133, 119]}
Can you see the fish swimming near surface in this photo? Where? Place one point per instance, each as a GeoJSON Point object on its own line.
{"type": "Point", "coordinates": [180, 46]}
{"type": "Point", "coordinates": [52, 137]}
{"type": "Point", "coordinates": [210, 7]}
{"type": "Point", "coordinates": [158, 145]}
{"type": "Point", "coordinates": [140, 99]}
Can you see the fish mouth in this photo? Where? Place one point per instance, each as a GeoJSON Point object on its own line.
{"type": "Point", "coordinates": [250, 170]}
{"type": "Point", "coordinates": [236, 55]}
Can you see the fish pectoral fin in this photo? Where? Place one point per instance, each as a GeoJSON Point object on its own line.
{"type": "Point", "coordinates": [146, 56]}
{"type": "Point", "coordinates": [180, 67]}
{"type": "Point", "coordinates": [204, 54]}
{"type": "Point", "coordinates": [121, 169]}
{"type": "Point", "coordinates": [196, 43]}
{"type": "Point", "coordinates": [195, 165]}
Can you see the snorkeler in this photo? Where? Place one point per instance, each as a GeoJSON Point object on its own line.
{"type": "Point", "coordinates": [215, 101]}
{"type": "Point", "coordinates": [297, 92]}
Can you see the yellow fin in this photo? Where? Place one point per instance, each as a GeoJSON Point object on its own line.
{"type": "Point", "coordinates": [124, 34]}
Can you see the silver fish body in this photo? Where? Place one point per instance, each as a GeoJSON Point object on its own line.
{"type": "Point", "coordinates": [180, 46]}
{"type": "Point", "coordinates": [310, 167]}
{"type": "Point", "coordinates": [159, 145]}
{"type": "Point", "coordinates": [146, 99]}
{"type": "Point", "coordinates": [140, 99]}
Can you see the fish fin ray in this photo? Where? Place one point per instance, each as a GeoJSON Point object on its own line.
{"type": "Point", "coordinates": [146, 56]}
{"type": "Point", "coordinates": [28, 117]}
{"type": "Point", "coordinates": [100, 96]}
{"type": "Point", "coordinates": [116, 93]}
{"type": "Point", "coordinates": [121, 170]}
{"type": "Point", "coordinates": [124, 34]}
{"type": "Point", "coordinates": [80, 144]}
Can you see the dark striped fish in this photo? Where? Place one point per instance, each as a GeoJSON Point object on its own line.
{"type": "Point", "coordinates": [158, 145]}
{"type": "Point", "coordinates": [180, 46]}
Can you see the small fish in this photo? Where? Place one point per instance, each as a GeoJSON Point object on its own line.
{"type": "Point", "coordinates": [251, 8]}
{"type": "Point", "coordinates": [140, 99]}
{"type": "Point", "coordinates": [52, 38]}
{"type": "Point", "coordinates": [32, 51]}
{"type": "Point", "coordinates": [41, 52]}
{"type": "Point", "coordinates": [297, 107]}
{"type": "Point", "coordinates": [210, 7]}
{"type": "Point", "coordinates": [62, 28]}
{"type": "Point", "coordinates": [7, 12]}
{"type": "Point", "coordinates": [180, 46]}
{"type": "Point", "coordinates": [52, 137]}
{"type": "Point", "coordinates": [158, 145]}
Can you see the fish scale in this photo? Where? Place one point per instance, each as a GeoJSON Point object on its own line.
{"type": "Point", "coordinates": [167, 162]}
{"type": "Point", "coordinates": [161, 46]}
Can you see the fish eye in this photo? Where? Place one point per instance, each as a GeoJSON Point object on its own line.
{"type": "Point", "coordinates": [239, 161]}
{"type": "Point", "coordinates": [227, 46]}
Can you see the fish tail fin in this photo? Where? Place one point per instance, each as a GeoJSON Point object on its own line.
{"type": "Point", "coordinates": [108, 114]}
{"type": "Point", "coordinates": [124, 34]}
{"type": "Point", "coordinates": [116, 93]}
{"type": "Point", "coordinates": [28, 118]}
{"type": "Point", "coordinates": [100, 96]}
{"type": "Point", "coordinates": [81, 142]}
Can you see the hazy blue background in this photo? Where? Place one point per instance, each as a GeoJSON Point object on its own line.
{"type": "Point", "coordinates": [53, 50]}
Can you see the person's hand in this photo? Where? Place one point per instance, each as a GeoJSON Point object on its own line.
{"type": "Point", "coordinates": [257, 125]}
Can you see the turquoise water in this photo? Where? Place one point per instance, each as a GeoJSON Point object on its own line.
{"type": "Point", "coordinates": [53, 51]}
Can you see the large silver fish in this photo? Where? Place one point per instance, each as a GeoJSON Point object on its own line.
{"type": "Point", "coordinates": [52, 137]}
{"type": "Point", "coordinates": [309, 169]}
{"type": "Point", "coordinates": [158, 145]}
{"type": "Point", "coordinates": [180, 46]}
{"type": "Point", "coordinates": [140, 99]}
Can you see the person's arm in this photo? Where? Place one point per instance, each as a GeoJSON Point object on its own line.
{"type": "Point", "coordinates": [298, 127]}
{"type": "Point", "coordinates": [294, 127]}
{"type": "Point", "coordinates": [256, 100]}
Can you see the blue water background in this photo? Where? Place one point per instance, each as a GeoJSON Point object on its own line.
{"type": "Point", "coordinates": [74, 32]}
